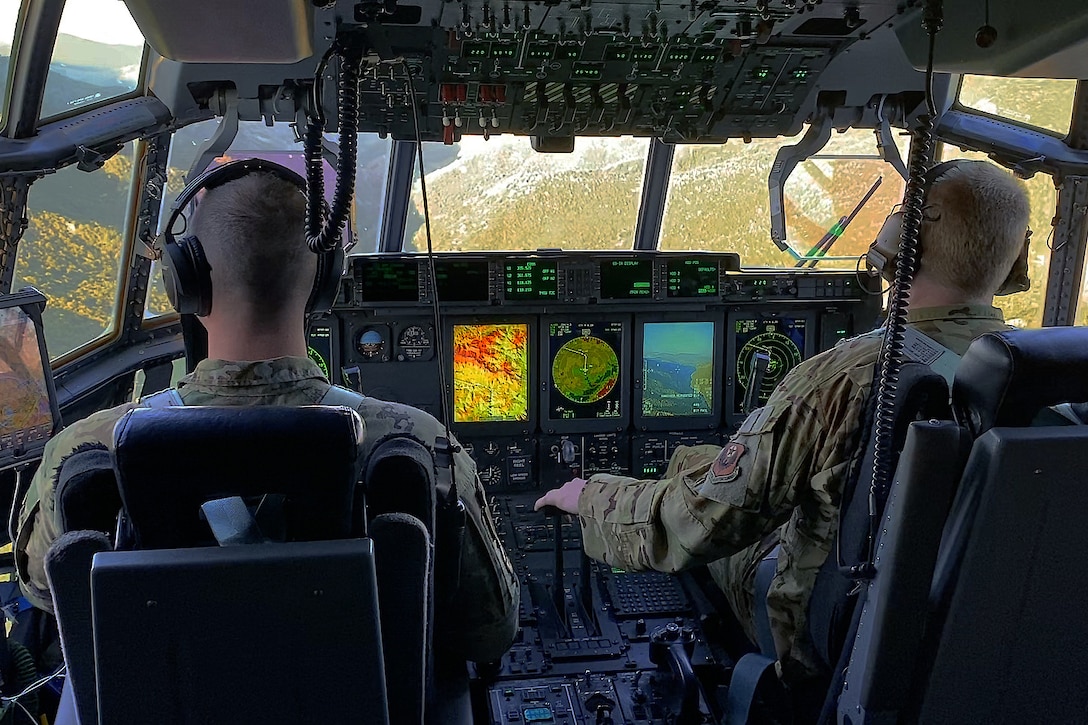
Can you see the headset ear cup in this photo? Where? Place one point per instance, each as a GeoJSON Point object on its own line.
{"type": "Point", "coordinates": [885, 248]}
{"type": "Point", "coordinates": [330, 267]}
{"type": "Point", "coordinates": [1018, 279]}
{"type": "Point", "coordinates": [188, 274]}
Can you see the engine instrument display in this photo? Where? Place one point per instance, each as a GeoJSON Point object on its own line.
{"type": "Point", "coordinates": [627, 279]}
{"type": "Point", "coordinates": [531, 279]}
{"type": "Point", "coordinates": [585, 370]}
{"type": "Point", "coordinates": [490, 373]}
{"type": "Point", "coordinates": [677, 369]}
{"type": "Point", "coordinates": [461, 280]}
{"type": "Point", "coordinates": [388, 280]}
{"type": "Point", "coordinates": [781, 338]}
{"type": "Point", "coordinates": [692, 277]}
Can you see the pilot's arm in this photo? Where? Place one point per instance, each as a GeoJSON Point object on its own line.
{"type": "Point", "coordinates": [790, 454]}
{"type": "Point", "coordinates": [38, 523]}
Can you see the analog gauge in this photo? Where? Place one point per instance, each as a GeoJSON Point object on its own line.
{"type": "Point", "coordinates": [491, 476]}
{"type": "Point", "coordinates": [370, 344]}
{"type": "Point", "coordinates": [415, 344]}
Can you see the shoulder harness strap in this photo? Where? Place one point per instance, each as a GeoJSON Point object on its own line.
{"type": "Point", "coordinates": [336, 395]}
{"type": "Point", "coordinates": [163, 399]}
{"type": "Point", "coordinates": [921, 348]}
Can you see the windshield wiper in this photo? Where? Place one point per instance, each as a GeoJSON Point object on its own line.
{"type": "Point", "coordinates": [837, 229]}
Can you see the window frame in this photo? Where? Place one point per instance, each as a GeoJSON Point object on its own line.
{"type": "Point", "coordinates": [958, 105]}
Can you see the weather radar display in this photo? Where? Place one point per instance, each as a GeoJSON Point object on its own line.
{"type": "Point", "coordinates": [781, 339]}
{"type": "Point", "coordinates": [677, 369]}
{"type": "Point", "coordinates": [585, 369]}
{"type": "Point", "coordinates": [490, 373]}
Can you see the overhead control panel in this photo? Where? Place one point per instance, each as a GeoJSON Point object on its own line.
{"type": "Point", "coordinates": [680, 71]}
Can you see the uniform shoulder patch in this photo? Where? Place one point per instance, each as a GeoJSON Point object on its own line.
{"type": "Point", "coordinates": [726, 466]}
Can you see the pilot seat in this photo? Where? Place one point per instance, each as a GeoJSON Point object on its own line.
{"type": "Point", "coordinates": [245, 583]}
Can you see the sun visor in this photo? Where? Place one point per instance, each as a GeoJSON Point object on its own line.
{"type": "Point", "coordinates": [227, 31]}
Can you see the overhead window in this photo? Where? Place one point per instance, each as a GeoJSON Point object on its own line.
{"type": "Point", "coordinates": [499, 194]}
{"type": "Point", "coordinates": [96, 58]}
{"type": "Point", "coordinates": [718, 199]}
{"type": "Point", "coordinates": [72, 249]}
{"type": "Point", "coordinates": [1043, 102]}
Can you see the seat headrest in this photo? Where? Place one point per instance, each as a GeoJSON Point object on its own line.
{"type": "Point", "coordinates": [169, 461]}
{"type": "Point", "coordinates": [1006, 378]}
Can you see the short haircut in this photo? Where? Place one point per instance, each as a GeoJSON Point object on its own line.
{"type": "Point", "coordinates": [975, 219]}
{"type": "Point", "coordinates": [253, 231]}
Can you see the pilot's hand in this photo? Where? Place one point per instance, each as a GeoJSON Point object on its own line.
{"type": "Point", "coordinates": [564, 498]}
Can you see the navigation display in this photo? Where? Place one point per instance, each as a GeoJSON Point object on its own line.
{"type": "Point", "coordinates": [388, 281]}
{"type": "Point", "coordinates": [677, 369]}
{"type": "Point", "coordinates": [531, 279]}
{"type": "Point", "coordinates": [490, 373]}
{"type": "Point", "coordinates": [782, 339]}
{"type": "Point", "coordinates": [585, 369]}
{"type": "Point", "coordinates": [26, 414]}
{"type": "Point", "coordinates": [319, 347]}
{"type": "Point", "coordinates": [461, 280]}
{"type": "Point", "coordinates": [692, 277]}
{"type": "Point", "coordinates": [627, 279]}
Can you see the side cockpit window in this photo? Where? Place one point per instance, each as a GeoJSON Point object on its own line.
{"type": "Point", "coordinates": [97, 57]}
{"type": "Point", "coordinates": [9, 14]}
{"type": "Point", "coordinates": [73, 246]}
{"type": "Point", "coordinates": [1045, 103]}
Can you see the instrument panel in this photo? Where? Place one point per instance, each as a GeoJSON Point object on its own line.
{"type": "Point", "coordinates": [566, 364]}
{"type": "Point", "coordinates": [558, 365]}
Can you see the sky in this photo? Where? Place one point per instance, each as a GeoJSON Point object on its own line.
{"type": "Point", "coordinates": [104, 21]}
{"type": "Point", "coordinates": [679, 338]}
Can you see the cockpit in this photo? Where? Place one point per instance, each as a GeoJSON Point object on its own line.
{"type": "Point", "coordinates": [582, 235]}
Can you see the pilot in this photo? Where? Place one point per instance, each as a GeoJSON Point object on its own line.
{"type": "Point", "coordinates": [252, 231]}
{"type": "Point", "coordinates": [779, 478]}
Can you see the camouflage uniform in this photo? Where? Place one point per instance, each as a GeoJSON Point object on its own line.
{"type": "Point", "coordinates": [778, 480]}
{"type": "Point", "coordinates": [487, 600]}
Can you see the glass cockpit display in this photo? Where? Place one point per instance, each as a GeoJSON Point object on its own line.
{"type": "Point", "coordinates": [677, 369]}
{"type": "Point", "coordinates": [585, 370]}
{"type": "Point", "coordinates": [319, 347]}
{"type": "Point", "coordinates": [26, 410]}
{"type": "Point", "coordinates": [781, 339]}
{"type": "Point", "coordinates": [490, 373]}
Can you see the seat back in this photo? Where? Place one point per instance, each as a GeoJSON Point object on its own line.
{"type": "Point", "coordinates": [235, 608]}
{"type": "Point", "coordinates": [169, 461]}
{"type": "Point", "coordinates": [400, 497]}
{"type": "Point", "coordinates": [1002, 574]}
{"type": "Point", "coordinates": [1010, 642]}
{"type": "Point", "coordinates": [280, 633]}
{"type": "Point", "coordinates": [922, 394]}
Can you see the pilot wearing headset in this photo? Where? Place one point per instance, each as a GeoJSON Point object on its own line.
{"type": "Point", "coordinates": [247, 273]}
{"type": "Point", "coordinates": [778, 480]}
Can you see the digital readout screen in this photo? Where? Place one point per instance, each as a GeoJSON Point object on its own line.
{"type": "Point", "coordinates": [627, 279]}
{"type": "Point", "coordinates": [693, 277]}
{"type": "Point", "coordinates": [781, 339]}
{"type": "Point", "coordinates": [461, 280]}
{"type": "Point", "coordinates": [388, 281]}
{"type": "Point", "coordinates": [677, 369]}
{"type": "Point", "coordinates": [490, 373]}
{"type": "Point", "coordinates": [531, 279]}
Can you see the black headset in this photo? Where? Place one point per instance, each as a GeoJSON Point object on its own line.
{"type": "Point", "coordinates": [885, 248]}
{"type": "Point", "coordinates": [185, 269]}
